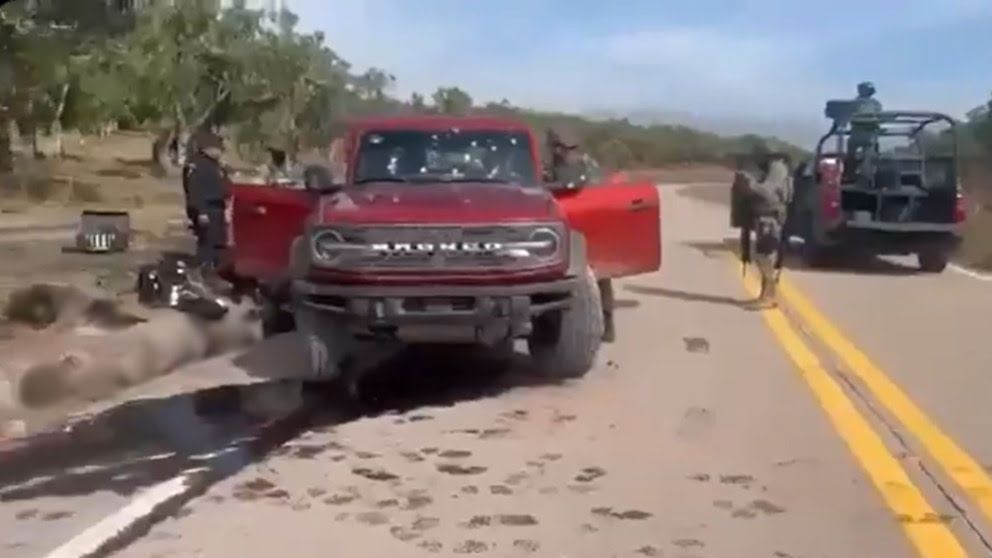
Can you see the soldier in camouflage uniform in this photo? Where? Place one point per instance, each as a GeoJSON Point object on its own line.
{"type": "Point", "coordinates": [769, 197]}
{"type": "Point", "coordinates": [864, 128]}
{"type": "Point", "coordinates": [574, 168]}
{"type": "Point", "coordinates": [867, 104]}
{"type": "Point", "coordinates": [207, 183]}
{"type": "Point", "coordinates": [570, 165]}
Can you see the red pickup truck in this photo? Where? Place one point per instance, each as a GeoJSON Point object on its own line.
{"type": "Point", "coordinates": [443, 233]}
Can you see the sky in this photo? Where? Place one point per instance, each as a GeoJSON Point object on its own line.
{"type": "Point", "coordinates": [744, 60]}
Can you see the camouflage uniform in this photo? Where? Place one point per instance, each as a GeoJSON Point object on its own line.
{"type": "Point", "coordinates": [769, 200]}
{"type": "Point", "coordinates": [575, 168]}
{"type": "Point", "coordinates": [207, 184]}
{"type": "Point", "coordinates": [864, 132]}
{"type": "Point", "coordinates": [569, 165]}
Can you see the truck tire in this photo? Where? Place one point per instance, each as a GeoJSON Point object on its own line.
{"type": "Point", "coordinates": [814, 254]}
{"type": "Point", "coordinates": [275, 319]}
{"type": "Point", "coordinates": [932, 261]}
{"type": "Point", "coordinates": [564, 343]}
{"type": "Point", "coordinates": [326, 343]}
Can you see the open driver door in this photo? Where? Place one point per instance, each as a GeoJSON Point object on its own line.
{"type": "Point", "coordinates": [264, 221]}
{"type": "Point", "coordinates": [621, 222]}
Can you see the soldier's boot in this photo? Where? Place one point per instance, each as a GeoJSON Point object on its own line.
{"type": "Point", "coordinates": [766, 299]}
{"type": "Point", "coordinates": [607, 301]}
{"type": "Point", "coordinates": [609, 329]}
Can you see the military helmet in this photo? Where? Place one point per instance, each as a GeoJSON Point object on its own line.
{"type": "Point", "coordinates": [562, 136]}
{"type": "Point", "coordinates": [866, 89]}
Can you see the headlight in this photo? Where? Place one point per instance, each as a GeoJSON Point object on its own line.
{"type": "Point", "coordinates": [328, 246]}
{"type": "Point", "coordinates": [544, 243]}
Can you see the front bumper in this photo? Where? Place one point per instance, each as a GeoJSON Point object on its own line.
{"type": "Point", "coordinates": [486, 314]}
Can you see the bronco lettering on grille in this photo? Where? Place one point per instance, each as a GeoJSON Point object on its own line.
{"type": "Point", "coordinates": [430, 247]}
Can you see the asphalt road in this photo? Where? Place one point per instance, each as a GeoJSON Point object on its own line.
{"type": "Point", "coordinates": [848, 423]}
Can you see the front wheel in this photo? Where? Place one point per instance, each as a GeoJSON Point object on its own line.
{"type": "Point", "coordinates": [564, 343]}
{"type": "Point", "coordinates": [932, 261]}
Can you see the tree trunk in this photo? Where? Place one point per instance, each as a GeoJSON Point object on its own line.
{"type": "Point", "coordinates": [57, 122]}
{"type": "Point", "coordinates": [6, 152]}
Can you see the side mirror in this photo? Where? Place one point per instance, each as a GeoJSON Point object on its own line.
{"type": "Point", "coordinates": [318, 178]}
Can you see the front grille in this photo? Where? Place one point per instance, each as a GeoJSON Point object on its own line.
{"type": "Point", "coordinates": [420, 247]}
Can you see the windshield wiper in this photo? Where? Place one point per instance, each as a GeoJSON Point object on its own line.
{"type": "Point", "coordinates": [382, 179]}
{"type": "Point", "coordinates": [486, 180]}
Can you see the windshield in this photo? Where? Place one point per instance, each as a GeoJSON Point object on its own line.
{"type": "Point", "coordinates": [450, 156]}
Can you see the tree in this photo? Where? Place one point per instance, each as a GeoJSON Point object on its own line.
{"type": "Point", "coordinates": [452, 100]}
{"type": "Point", "coordinates": [417, 103]}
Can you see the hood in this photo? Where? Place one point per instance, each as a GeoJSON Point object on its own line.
{"type": "Point", "coordinates": [463, 202]}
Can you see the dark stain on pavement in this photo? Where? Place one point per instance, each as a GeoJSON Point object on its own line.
{"type": "Point", "coordinates": [527, 545]}
{"type": "Point", "coordinates": [403, 534]}
{"type": "Point", "coordinates": [26, 514]}
{"type": "Point", "coordinates": [412, 456]}
{"type": "Point", "coordinates": [471, 547]}
{"type": "Point", "coordinates": [374, 474]}
{"type": "Point", "coordinates": [56, 515]}
{"type": "Point", "coordinates": [455, 454]}
{"type": "Point", "coordinates": [417, 501]}
{"type": "Point", "coordinates": [736, 479]}
{"type": "Point", "coordinates": [590, 474]}
{"type": "Point", "coordinates": [636, 515]}
{"type": "Point", "coordinates": [308, 451]}
{"type": "Point", "coordinates": [372, 518]}
{"type": "Point", "coordinates": [700, 477]}
{"type": "Point", "coordinates": [456, 469]}
{"type": "Point", "coordinates": [422, 523]}
{"type": "Point", "coordinates": [366, 455]}
{"type": "Point", "coordinates": [648, 550]}
{"type": "Point", "coordinates": [516, 478]}
{"type": "Point", "coordinates": [490, 433]}
{"type": "Point", "coordinates": [500, 490]}
{"type": "Point", "coordinates": [516, 520]}
{"type": "Point", "coordinates": [477, 521]}
{"type": "Point", "coordinates": [340, 499]}
{"type": "Point", "coordinates": [696, 344]}
{"type": "Point", "coordinates": [767, 508]}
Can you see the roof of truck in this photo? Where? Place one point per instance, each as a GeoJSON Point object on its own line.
{"type": "Point", "coordinates": [439, 122]}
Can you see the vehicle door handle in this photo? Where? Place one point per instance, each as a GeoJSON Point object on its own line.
{"type": "Point", "coordinates": [259, 209]}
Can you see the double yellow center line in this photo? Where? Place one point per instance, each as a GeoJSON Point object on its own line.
{"type": "Point", "coordinates": [931, 537]}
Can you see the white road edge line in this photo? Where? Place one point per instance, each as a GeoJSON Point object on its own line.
{"type": "Point", "coordinates": [94, 541]}
{"type": "Point", "coordinates": [970, 272]}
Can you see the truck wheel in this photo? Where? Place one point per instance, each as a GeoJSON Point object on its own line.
{"type": "Point", "coordinates": [932, 261]}
{"type": "Point", "coordinates": [275, 319]}
{"type": "Point", "coordinates": [813, 253]}
{"type": "Point", "coordinates": [564, 343]}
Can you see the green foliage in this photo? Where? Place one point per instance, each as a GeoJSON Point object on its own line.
{"type": "Point", "coordinates": [182, 65]}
